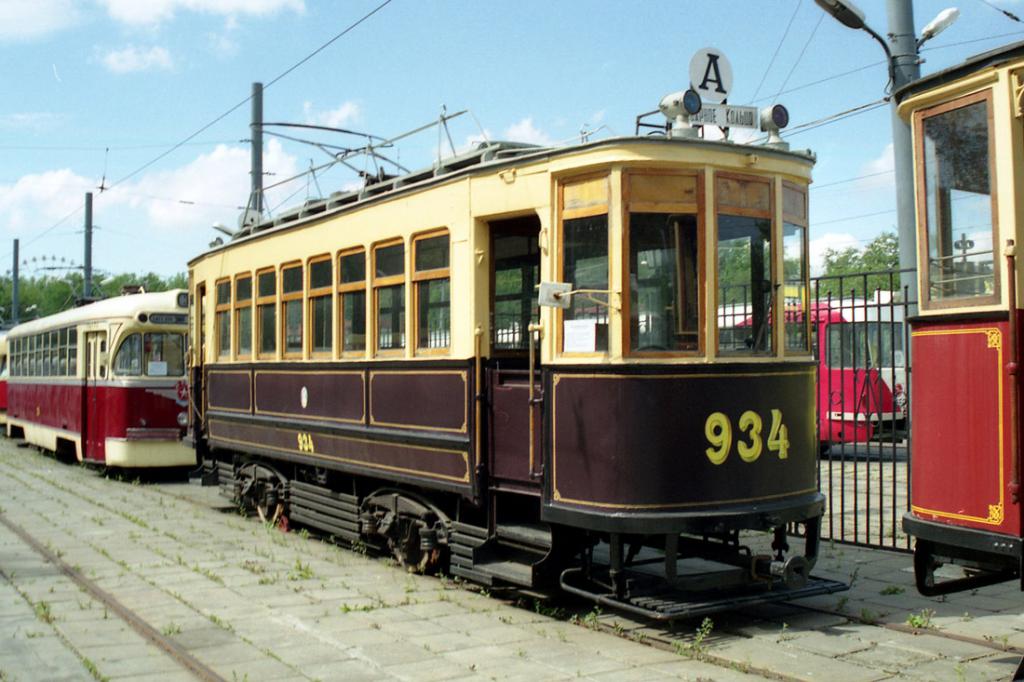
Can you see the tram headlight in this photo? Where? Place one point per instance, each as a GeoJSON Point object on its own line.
{"type": "Point", "coordinates": [182, 419]}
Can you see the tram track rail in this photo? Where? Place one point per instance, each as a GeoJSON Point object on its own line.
{"type": "Point", "coordinates": [176, 652]}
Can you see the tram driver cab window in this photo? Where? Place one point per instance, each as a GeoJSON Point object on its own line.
{"type": "Point", "coordinates": [745, 291]}
{"type": "Point", "coordinates": [956, 180]}
{"type": "Point", "coordinates": [664, 290]}
{"type": "Point", "coordinates": [584, 221]}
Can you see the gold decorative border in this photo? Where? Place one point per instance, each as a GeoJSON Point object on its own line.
{"type": "Point", "coordinates": [558, 497]}
{"type": "Point", "coordinates": [994, 341]}
{"type": "Point", "coordinates": [462, 374]}
{"type": "Point", "coordinates": [211, 406]}
{"type": "Point", "coordinates": [348, 460]}
{"type": "Point", "coordinates": [343, 420]}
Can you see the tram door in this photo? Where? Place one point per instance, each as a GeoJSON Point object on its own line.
{"type": "Point", "coordinates": [515, 273]}
{"type": "Point", "coordinates": [94, 425]}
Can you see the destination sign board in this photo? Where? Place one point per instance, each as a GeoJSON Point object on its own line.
{"type": "Point", "coordinates": [726, 116]}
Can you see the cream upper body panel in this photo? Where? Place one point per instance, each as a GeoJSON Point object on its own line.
{"type": "Point", "coordinates": [462, 203]}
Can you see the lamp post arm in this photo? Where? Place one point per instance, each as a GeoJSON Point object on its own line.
{"type": "Point", "coordinates": [888, 52]}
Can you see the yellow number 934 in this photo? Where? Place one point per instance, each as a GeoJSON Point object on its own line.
{"type": "Point", "coordinates": [718, 431]}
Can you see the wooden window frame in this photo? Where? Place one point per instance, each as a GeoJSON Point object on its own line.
{"type": "Point", "coordinates": [920, 188]}
{"type": "Point", "coordinates": [697, 209]}
{"type": "Point", "coordinates": [219, 308]}
{"type": "Point", "coordinates": [425, 276]}
{"type": "Point", "coordinates": [287, 298]}
{"type": "Point", "coordinates": [348, 287]}
{"type": "Point", "coordinates": [377, 283]}
{"type": "Point", "coordinates": [257, 341]}
{"type": "Point", "coordinates": [572, 214]}
{"type": "Point", "coordinates": [769, 180]}
{"type": "Point", "coordinates": [805, 223]}
{"type": "Point", "coordinates": [237, 309]}
{"type": "Point", "coordinates": [319, 292]}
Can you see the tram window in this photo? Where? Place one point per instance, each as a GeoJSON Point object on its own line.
{"type": "Point", "coordinates": [164, 354]}
{"type": "Point", "coordinates": [73, 351]}
{"type": "Point", "coordinates": [586, 267]}
{"type": "Point", "coordinates": [291, 314]}
{"type": "Point", "coordinates": [223, 318]}
{"type": "Point", "coordinates": [744, 284]}
{"type": "Point", "coordinates": [516, 259]}
{"type": "Point", "coordinates": [266, 312]}
{"type": "Point", "coordinates": [243, 316]}
{"type": "Point", "coordinates": [663, 276]}
{"type": "Point", "coordinates": [352, 299]}
{"type": "Point", "coordinates": [321, 325]}
{"type": "Point", "coordinates": [128, 361]}
{"type": "Point", "coordinates": [62, 353]}
{"type": "Point", "coordinates": [958, 185]}
{"type": "Point", "coordinates": [389, 292]}
{"type": "Point", "coordinates": [433, 292]}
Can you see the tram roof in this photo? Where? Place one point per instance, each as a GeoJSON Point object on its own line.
{"type": "Point", "coordinates": [128, 305]}
{"type": "Point", "coordinates": [973, 64]}
{"type": "Point", "coordinates": [486, 157]}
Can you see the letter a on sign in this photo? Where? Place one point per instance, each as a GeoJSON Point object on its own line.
{"type": "Point", "coordinates": [711, 75]}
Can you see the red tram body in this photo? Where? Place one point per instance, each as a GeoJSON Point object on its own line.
{"type": "Point", "coordinates": [128, 408]}
{"type": "Point", "coordinates": [965, 341]}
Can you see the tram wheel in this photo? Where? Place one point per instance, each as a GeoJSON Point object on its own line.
{"type": "Point", "coordinates": [410, 525]}
{"type": "Point", "coordinates": [261, 490]}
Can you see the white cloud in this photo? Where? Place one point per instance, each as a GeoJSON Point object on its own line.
{"type": "Point", "coordinates": [345, 114]}
{"type": "Point", "coordinates": [151, 12]}
{"type": "Point", "coordinates": [883, 163]}
{"type": "Point", "coordinates": [35, 201]}
{"type": "Point", "coordinates": [526, 131]}
{"type": "Point", "coordinates": [132, 59]}
{"type": "Point", "coordinates": [31, 120]}
{"type": "Point", "coordinates": [837, 241]}
{"type": "Point", "coordinates": [25, 20]}
{"type": "Point", "coordinates": [209, 184]}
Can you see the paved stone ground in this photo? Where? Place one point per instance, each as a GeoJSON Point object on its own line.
{"type": "Point", "coordinates": [867, 496]}
{"type": "Point", "coordinates": [253, 603]}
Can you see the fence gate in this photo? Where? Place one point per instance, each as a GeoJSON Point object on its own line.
{"type": "Point", "coordinates": [862, 342]}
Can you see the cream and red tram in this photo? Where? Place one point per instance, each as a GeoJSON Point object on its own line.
{"type": "Point", "coordinates": [965, 341]}
{"type": "Point", "coordinates": [104, 383]}
{"type": "Point", "coordinates": [364, 367]}
{"type": "Point", "coordinates": [4, 373]}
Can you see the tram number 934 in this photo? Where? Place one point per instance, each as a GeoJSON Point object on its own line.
{"type": "Point", "coordinates": [718, 431]}
{"type": "Point", "coordinates": [305, 442]}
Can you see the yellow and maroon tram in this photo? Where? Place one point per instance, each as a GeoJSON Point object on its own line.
{"type": "Point", "coordinates": [965, 341]}
{"type": "Point", "coordinates": [376, 364]}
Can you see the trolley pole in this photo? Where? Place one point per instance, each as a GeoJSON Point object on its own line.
{"type": "Point", "coordinates": [87, 286]}
{"type": "Point", "coordinates": [256, 161]}
{"type": "Point", "coordinates": [906, 68]}
{"type": "Point", "coordinates": [15, 302]}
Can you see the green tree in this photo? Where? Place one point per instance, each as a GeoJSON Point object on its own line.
{"type": "Point", "coordinates": [846, 270]}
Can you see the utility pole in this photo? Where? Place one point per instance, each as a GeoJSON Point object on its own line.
{"type": "Point", "coordinates": [15, 298]}
{"type": "Point", "coordinates": [256, 161]}
{"type": "Point", "coordinates": [906, 68]}
{"type": "Point", "coordinates": [87, 286]}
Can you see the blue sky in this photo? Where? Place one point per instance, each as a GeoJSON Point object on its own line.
{"type": "Point", "coordinates": [94, 90]}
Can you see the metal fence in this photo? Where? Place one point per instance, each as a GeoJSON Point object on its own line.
{"type": "Point", "coordinates": [861, 340]}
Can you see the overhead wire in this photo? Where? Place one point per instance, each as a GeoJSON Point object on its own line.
{"type": "Point", "coordinates": [778, 47]}
{"type": "Point", "coordinates": [1006, 12]}
{"type": "Point", "coordinates": [800, 56]}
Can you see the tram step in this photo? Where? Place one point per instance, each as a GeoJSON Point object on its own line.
{"type": "Point", "coordinates": [332, 526]}
{"type": "Point", "coordinates": [325, 495]}
{"type": "Point", "coordinates": [329, 505]}
{"type": "Point", "coordinates": [509, 571]}
{"type": "Point", "coordinates": [533, 535]}
{"type": "Point", "coordinates": [470, 532]}
{"type": "Point", "coordinates": [473, 575]}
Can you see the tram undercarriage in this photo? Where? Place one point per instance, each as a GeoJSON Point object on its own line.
{"type": "Point", "coordinates": [663, 576]}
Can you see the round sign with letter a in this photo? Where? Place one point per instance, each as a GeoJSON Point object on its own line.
{"type": "Point", "coordinates": [711, 75]}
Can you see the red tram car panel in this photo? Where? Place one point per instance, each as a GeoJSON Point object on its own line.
{"type": "Point", "coordinates": [960, 392]}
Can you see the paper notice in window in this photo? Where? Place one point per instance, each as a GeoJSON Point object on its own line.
{"type": "Point", "coordinates": [156, 368]}
{"type": "Point", "coordinates": [579, 336]}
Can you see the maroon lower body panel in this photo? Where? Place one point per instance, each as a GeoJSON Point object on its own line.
{"type": "Point", "coordinates": [408, 422]}
{"type": "Point", "coordinates": [681, 447]}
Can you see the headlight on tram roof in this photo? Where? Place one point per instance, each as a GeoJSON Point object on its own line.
{"type": "Point", "coordinates": [182, 419]}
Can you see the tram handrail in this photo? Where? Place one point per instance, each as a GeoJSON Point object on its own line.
{"type": "Point", "coordinates": [1011, 368]}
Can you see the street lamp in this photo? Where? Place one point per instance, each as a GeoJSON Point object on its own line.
{"type": "Point", "coordinates": [904, 65]}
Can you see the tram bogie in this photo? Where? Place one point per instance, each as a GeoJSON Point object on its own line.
{"type": "Point", "coordinates": [377, 366]}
